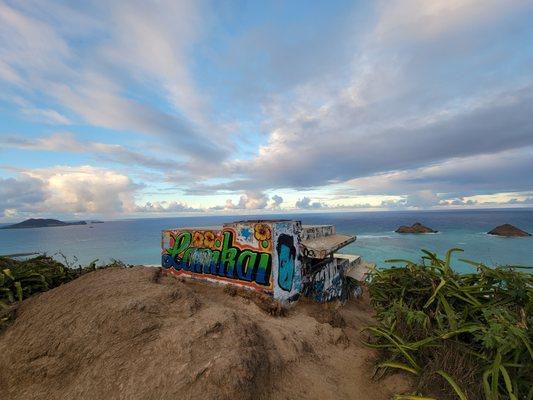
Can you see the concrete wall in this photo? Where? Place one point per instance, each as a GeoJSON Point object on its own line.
{"type": "Point", "coordinates": [316, 231]}
{"type": "Point", "coordinates": [260, 255]}
{"type": "Point", "coordinates": [325, 283]}
{"type": "Point", "coordinates": [287, 266]}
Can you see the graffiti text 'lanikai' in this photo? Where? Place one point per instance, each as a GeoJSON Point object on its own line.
{"type": "Point", "coordinates": [278, 257]}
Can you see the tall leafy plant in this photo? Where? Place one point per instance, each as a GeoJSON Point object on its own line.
{"type": "Point", "coordinates": [462, 335]}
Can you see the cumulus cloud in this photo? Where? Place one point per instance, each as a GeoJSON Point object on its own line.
{"type": "Point", "coordinates": [165, 207]}
{"type": "Point", "coordinates": [248, 201]}
{"type": "Point", "coordinates": [20, 195]}
{"type": "Point", "coordinates": [69, 190]}
{"type": "Point", "coordinates": [418, 200]}
{"type": "Point", "coordinates": [461, 202]}
{"type": "Point", "coordinates": [86, 189]}
{"type": "Point", "coordinates": [252, 201]}
{"type": "Point", "coordinates": [306, 203]}
{"type": "Point", "coordinates": [526, 201]}
{"type": "Point", "coordinates": [276, 201]}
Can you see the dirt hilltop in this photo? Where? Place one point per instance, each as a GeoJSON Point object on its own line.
{"type": "Point", "coordinates": [131, 334]}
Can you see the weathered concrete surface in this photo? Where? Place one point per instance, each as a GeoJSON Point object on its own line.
{"type": "Point", "coordinates": [322, 247]}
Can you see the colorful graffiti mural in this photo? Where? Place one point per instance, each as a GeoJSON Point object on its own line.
{"type": "Point", "coordinates": [326, 282]}
{"type": "Point", "coordinates": [243, 253]}
{"type": "Point", "coordinates": [286, 260]}
{"type": "Point", "coordinates": [269, 256]}
{"type": "Point", "coordinates": [287, 265]}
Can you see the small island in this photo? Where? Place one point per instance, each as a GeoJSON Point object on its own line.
{"type": "Point", "coordinates": [42, 223]}
{"type": "Point", "coordinates": [417, 227]}
{"type": "Point", "coordinates": [508, 230]}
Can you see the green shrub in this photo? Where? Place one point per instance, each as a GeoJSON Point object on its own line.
{"type": "Point", "coordinates": [462, 335]}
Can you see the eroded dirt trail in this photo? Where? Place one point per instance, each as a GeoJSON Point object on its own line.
{"type": "Point", "coordinates": [118, 334]}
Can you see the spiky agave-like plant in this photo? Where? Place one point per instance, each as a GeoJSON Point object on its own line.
{"type": "Point", "coordinates": [428, 315]}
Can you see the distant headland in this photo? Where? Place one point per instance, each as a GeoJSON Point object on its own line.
{"type": "Point", "coordinates": [42, 223]}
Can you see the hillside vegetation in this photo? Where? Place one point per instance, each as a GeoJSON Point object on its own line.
{"type": "Point", "coordinates": [462, 335]}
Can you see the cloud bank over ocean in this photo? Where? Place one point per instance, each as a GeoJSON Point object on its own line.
{"type": "Point", "coordinates": [136, 109]}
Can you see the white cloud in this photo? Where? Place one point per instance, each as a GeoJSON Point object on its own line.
{"type": "Point", "coordinates": [67, 142]}
{"type": "Point", "coordinates": [46, 115]}
{"type": "Point", "coordinates": [84, 189]}
{"type": "Point", "coordinates": [400, 104]}
{"type": "Point", "coordinates": [457, 177]}
{"type": "Point", "coordinates": [248, 201]}
{"type": "Point", "coordinates": [21, 194]}
{"type": "Point", "coordinates": [145, 49]}
{"type": "Point", "coordinates": [29, 45]}
{"type": "Point", "coordinates": [153, 43]}
{"type": "Point", "coordinates": [422, 100]}
{"type": "Point", "coordinates": [165, 207]}
{"type": "Point", "coordinates": [67, 191]}
{"type": "Point", "coordinates": [422, 199]}
{"type": "Point", "coordinates": [8, 74]}
{"type": "Point", "coordinates": [408, 19]}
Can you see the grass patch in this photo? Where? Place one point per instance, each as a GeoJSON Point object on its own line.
{"type": "Point", "coordinates": [465, 336]}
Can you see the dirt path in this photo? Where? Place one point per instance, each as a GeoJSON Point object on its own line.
{"type": "Point", "coordinates": [117, 334]}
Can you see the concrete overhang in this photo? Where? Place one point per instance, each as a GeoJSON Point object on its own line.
{"type": "Point", "coordinates": [323, 247]}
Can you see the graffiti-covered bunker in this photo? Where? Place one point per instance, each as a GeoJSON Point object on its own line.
{"type": "Point", "coordinates": [280, 257]}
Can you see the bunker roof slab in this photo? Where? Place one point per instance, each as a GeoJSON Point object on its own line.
{"type": "Point", "coordinates": [324, 246]}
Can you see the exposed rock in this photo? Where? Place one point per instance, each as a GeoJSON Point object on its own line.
{"type": "Point", "coordinates": [417, 227]}
{"type": "Point", "coordinates": [508, 230]}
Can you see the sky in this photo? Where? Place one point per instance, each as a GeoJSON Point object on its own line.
{"type": "Point", "coordinates": [120, 109]}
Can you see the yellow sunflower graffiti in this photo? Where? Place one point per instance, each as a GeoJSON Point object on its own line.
{"type": "Point", "coordinates": [209, 239]}
{"type": "Point", "coordinates": [197, 239]}
{"type": "Point", "coordinates": [262, 232]}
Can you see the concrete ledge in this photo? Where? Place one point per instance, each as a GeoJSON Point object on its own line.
{"type": "Point", "coordinates": [324, 246]}
{"type": "Point", "coordinates": [353, 259]}
{"type": "Point", "coordinates": [359, 271]}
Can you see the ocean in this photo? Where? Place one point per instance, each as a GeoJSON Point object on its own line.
{"type": "Point", "coordinates": [137, 241]}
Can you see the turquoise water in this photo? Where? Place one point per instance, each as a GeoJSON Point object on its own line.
{"type": "Point", "coordinates": [137, 241]}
